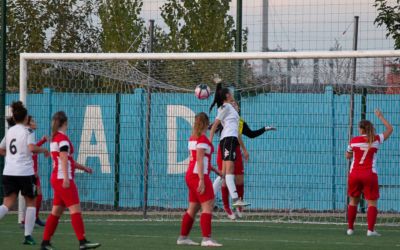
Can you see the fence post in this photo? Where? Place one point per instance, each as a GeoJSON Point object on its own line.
{"type": "Point", "coordinates": [331, 99]}
{"type": "Point", "coordinates": [117, 150]}
{"type": "Point", "coordinates": [48, 93]}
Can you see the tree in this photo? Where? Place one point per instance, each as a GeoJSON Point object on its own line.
{"type": "Point", "coordinates": [197, 26]}
{"type": "Point", "coordinates": [72, 26]}
{"type": "Point", "coordinates": [25, 33]}
{"type": "Point", "coordinates": [123, 28]}
{"type": "Point", "coordinates": [389, 15]}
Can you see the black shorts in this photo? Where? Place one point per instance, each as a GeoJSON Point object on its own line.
{"type": "Point", "coordinates": [228, 148]}
{"type": "Point", "coordinates": [14, 184]}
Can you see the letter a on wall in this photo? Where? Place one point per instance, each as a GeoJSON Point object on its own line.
{"type": "Point", "coordinates": [93, 127]}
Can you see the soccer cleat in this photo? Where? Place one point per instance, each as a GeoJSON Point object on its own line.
{"type": "Point", "coordinates": [40, 223]}
{"type": "Point", "coordinates": [210, 243]}
{"type": "Point", "coordinates": [350, 231]}
{"type": "Point", "coordinates": [88, 245]}
{"type": "Point", "coordinates": [186, 242]}
{"type": "Point", "coordinates": [47, 247]}
{"type": "Point", "coordinates": [29, 241]}
{"type": "Point", "coordinates": [240, 203]}
{"type": "Point", "coordinates": [229, 213]}
{"type": "Point", "coordinates": [239, 212]}
{"type": "Point", "coordinates": [373, 234]}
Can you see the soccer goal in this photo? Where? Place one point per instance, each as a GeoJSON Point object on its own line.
{"type": "Point", "coordinates": [130, 117]}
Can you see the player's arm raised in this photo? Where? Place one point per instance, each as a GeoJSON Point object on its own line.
{"type": "Point", "coordinates": [389, 128]}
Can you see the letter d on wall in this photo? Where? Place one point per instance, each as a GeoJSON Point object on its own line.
{"type": "Point", "coordinates": [173, 112]}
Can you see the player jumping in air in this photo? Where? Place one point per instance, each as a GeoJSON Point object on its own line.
{"type": "Point", "coordinates": [363, 176]}
{"type": "Point", "coordinates": [228, 117]}
{"type": "Point", "coordinates": [244, 129]}
{"type": "Point", "coordinates": [18, 146]}
{"type": "Point", "coordinates": [201, 193]}
{"type": "Point", "coordinates": [62, 181]}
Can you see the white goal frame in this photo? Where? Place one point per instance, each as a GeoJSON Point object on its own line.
{"type": "Point", "coordinates": [25, 57]}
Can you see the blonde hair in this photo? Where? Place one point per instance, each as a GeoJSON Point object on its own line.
{"type": "Point", "coordinates": [369, 130]}
{"type": "Point", "coordinates": [201, 122]}
{"type": "Point", "coordinates": [58, 120]}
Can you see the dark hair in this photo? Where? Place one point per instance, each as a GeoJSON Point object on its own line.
{"type": "Point", "coordinates": [369, 130]}
{"type": "Point", "coordinates": [220, 96]}
{"type": "Point", "coordinates": [19, 112]}
{"type": "Point", "coordinates": [29, 119]}
{"type": "Point", "coordinates": [201, 122]}
{"type": "Point", "coordinates": [58, 120]}
{"type": "Point", "coordinates": [10, 122]}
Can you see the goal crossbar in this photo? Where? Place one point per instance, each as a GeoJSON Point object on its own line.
{"type": "Point", "coordinates": [25, 57]}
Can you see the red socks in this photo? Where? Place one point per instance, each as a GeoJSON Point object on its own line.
{"type": "Point", "coordinates": [38, 204]}
{"type": "Point", "coordinates": [50, 228]}
{"type": "Point", "coordinates": [240, 191]}
{"type": "Point", "coordinates": [187, 223]}
{"type": "Point", "coordinates": [225, 196]}
{"type": "Point", "coordinates": [77, 224]}
{"type": "Point", "coordinates": [205, 224]}
{"type": "Point", "coordinates": [351, 215]}
{"type": "Point", "coordinates": [371, 217]}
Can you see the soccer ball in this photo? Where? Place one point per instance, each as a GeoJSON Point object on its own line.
{"type": "Point", "coordinates": [202, 91]}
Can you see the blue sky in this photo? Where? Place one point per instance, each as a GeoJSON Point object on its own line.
{"type": "Point", "coordinates": [304, 24]}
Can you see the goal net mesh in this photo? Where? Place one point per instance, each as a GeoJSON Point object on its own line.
{"type": "Point", "coordinates": [130, 121]}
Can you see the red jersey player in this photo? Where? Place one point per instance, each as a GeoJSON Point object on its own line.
{"type": "Point", "coordinates": [39, 197]}
{"type": "Point", "coordinates": [363, 176]}
{"type": "Point", "coordinates": [62, 181]}
{"type": "Point", "coordinates": [201, 193]}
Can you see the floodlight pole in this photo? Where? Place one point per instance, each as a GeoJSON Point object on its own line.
{"type": "Point", "coordinates": [238, 46]}
{"type": "Point", "coordinates": [3, 84]}
{"type": "Point", "coordinates": [354, 78]}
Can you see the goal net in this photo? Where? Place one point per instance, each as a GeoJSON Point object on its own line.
{"type": "Point", "coordinates": [130, 116]}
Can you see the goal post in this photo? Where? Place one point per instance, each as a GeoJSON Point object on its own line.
{"type": "Point", "coordinates": [297, 173]}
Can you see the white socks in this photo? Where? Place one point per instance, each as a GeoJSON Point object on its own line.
{"type": "Point", "coordinates": [217, 184]}
{"type": "Point", "coordinates": [3, 211]}
{"type": "Point", "coordinates": [30, 217]}
{"type": "Point", "coordinates": [230, 183]}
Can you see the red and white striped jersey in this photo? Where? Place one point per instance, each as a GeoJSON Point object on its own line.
{"type": "Point", "coordinates": [364, 155]}
{"type": "Point", "coordinates": [199, 143]}
{"type": "Point", "coordinates": [58, 141]}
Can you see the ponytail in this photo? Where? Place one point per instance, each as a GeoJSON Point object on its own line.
{"type": "Point", "coordinates": [58, 120]}
{"type": "Point", "coordinates": [369, 130]}
{"type": "Point", "coordinates": [220, 96]}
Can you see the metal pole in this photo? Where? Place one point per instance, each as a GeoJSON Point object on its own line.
{"type": "Point", "coordinates": [238, 45]}
{"type": "Point", "coordinates": [117, 150]}
{"type": "Point", "coordinates": [265, 48]}
{"type": "Point", "coordinates": [148, 122]}
{"type": "Point", "coordinates": [354, 78]}
{"type": "Point", "coordinates": [3, 84]}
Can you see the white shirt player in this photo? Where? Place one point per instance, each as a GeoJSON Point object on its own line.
{"type": "Point", "coordinates": [229, 118]}
{"type": "Point", "coordinates": [18, 156]}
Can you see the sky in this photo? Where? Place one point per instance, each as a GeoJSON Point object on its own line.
{"type": "Point", "coordinates": [303, 25]}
